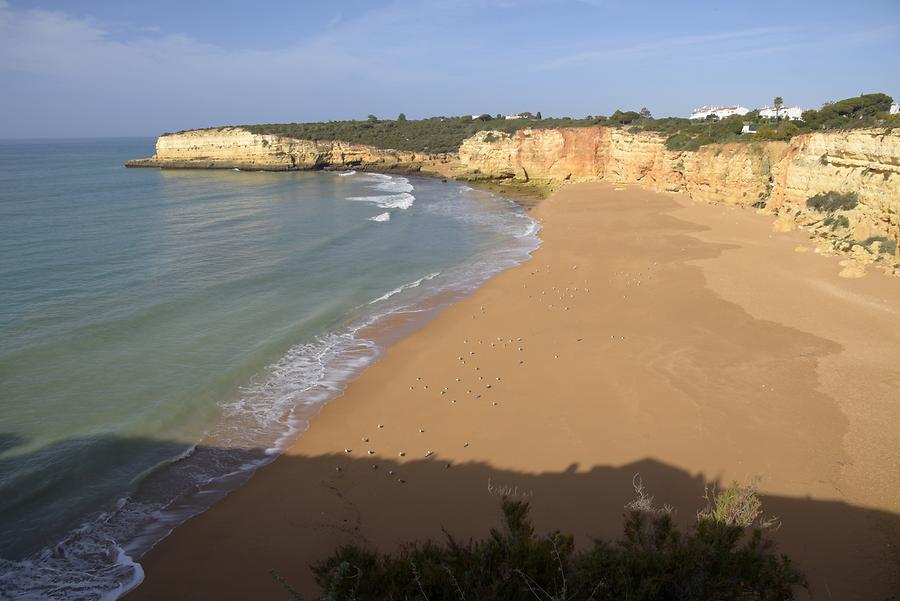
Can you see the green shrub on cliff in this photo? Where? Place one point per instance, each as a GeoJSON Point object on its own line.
{"type": "Point", "coordinates": [826, 202]}
{"type": "Point", "coordinates": [726, 555]}
{"type": "Point", "coordinates": [885, 245]}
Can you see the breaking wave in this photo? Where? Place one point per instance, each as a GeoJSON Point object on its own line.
{"type": "Point", "coordinates": [398, 290]}
{"type": "Point", "coordinates": [398, 188]}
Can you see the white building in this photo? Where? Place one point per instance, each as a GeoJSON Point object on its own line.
{"type": "Point", "coordinates": [719, 111]}
{"type": "Point", "coordinates": [794, 113]}
{"type": "Point", "coordinates": [895, 108]}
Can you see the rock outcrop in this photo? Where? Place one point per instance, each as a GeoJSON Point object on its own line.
{"type": "Point", "coordinates": [777, 177]}
{"type": "Point", "coordinates": [237, 148]}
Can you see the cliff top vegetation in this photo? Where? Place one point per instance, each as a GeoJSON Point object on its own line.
{"type": "Point", "coordinates": [432, 135]}
{"type": "Point", "coordinates": [445, 134]}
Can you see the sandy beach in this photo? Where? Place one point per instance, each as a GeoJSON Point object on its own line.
{"type": "Point", "coordinates": [649, 334]}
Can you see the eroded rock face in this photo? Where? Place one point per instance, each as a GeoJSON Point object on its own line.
{"type": "Point", "coordinates": [234, 147]}
{"type": "Point", "coordinates": [778, 175]}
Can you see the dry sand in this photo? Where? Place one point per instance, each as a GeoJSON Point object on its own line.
{"type": "Point", "coordinates": [648, 335]}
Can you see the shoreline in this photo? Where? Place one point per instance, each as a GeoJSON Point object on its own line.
{"type": "Point", "coordinates": [672, 392]}
{"type": "Point", "coordinates": [225, 465]}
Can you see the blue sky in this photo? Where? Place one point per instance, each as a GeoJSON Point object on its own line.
{"type": "Point", "coordinates": [121, 68]}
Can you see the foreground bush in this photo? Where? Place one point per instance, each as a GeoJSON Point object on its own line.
{"type": "Point", "coordinates": [726, 555]}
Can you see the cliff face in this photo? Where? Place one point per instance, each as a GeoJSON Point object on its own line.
{"type": "Point", "coordinates": [778, 175]}
{"type": "Point", "coordinates": [233, 147]}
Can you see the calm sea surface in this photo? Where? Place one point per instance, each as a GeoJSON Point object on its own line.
{"type": "Point", "coordinates": [164, 333]}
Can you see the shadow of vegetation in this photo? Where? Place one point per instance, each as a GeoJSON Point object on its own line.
{"type": "Point", "coordinates": [298, 510]}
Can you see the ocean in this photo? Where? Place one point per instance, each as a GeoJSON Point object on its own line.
{"type": "Point", "coordinates": [165, 333]}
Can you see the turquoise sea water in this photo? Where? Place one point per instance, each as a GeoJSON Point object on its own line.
{"type": "Point", "coordinates": [164, 333]}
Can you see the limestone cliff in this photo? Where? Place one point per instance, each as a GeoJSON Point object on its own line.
{"type": "Point", "coordinates": [779, 176]}
{"type": "Point", "coordinates": [234, 147]}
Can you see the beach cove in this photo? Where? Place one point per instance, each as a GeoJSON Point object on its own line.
{"type": "Point", "coordinates": [648, 335]}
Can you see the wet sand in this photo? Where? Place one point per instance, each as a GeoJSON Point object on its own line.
{"type": "Point", "coordinates": [649, 335]}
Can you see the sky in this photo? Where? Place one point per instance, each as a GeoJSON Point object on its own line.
{"type": "Point", "coordinates": [98, 68]}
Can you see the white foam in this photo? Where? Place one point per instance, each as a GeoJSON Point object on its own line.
{"type": "Point", "coordinates": [346, 173]}
{"type": "Point", "coordinates": [84, 566]}
{"type": "Point", "coordinates": [381, 218]}
{"type": "Point", "coordinates": [399, 190]}
{"type": "Point", "coordinates": [400, 289]}
{"type": "Point", "coordinates": [389, 201]}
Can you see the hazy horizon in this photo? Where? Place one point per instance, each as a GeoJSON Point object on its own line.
{"type": "Point", "coordinates": [108, 69]}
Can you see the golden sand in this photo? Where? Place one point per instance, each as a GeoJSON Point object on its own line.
{"type": "Point", "coordinates": [648, 335]}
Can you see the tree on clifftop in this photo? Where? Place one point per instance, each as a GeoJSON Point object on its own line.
{"type": "Point", "coordinates": [401, 117]}
{"type": "Point", "coordinates": [624, 117]}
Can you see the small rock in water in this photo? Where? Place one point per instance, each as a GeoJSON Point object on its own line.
{"type": "Point", "coordinates": [381, 425]}
{"type": "Point", "coordinates": [402, 454]}
{"type": "Point", "coordinates": [348, 450]}
{"type": "Point", "coordinates": [365, 439]}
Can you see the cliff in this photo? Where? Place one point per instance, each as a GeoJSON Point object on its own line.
{"type": "Point", "coordinates": [777, 177]}
{"type": "Point", "coordinates": [234, 147]}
